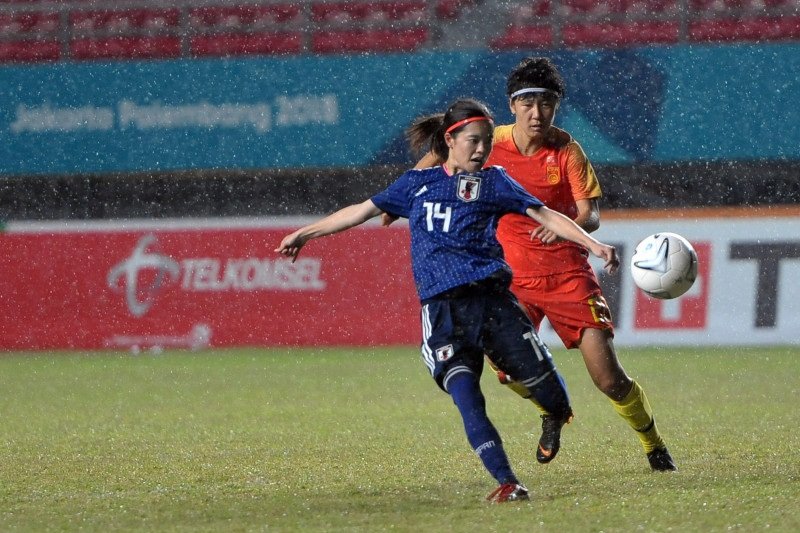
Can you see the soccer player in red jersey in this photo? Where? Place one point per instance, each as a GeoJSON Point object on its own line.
{"type": "Point", "coordinates": [552, 277]}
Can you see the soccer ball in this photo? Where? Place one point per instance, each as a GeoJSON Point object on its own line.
{"type": "Point", "coordinates": [664, 265]}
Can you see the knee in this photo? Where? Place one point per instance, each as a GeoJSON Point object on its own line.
{"type": "Point", "coordinates": [615, 385]}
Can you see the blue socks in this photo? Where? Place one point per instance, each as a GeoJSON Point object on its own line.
{"type": "Point", "coordinates": [465, 390]}
{"type": "Point", "coordinates": [551, 395]}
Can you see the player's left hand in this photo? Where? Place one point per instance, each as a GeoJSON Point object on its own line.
{"type": "Point", "coordinates": [291, 244]}
{"type": "Point", "coordinates": [545, 235]}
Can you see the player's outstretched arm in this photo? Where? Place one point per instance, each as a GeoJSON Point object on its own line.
{"type": "Point", "coordinates": [341, 220]}
{"type": "Point", "coordinates": [566, 228]}
{"type": "Point", "coordinates": [428, 160]}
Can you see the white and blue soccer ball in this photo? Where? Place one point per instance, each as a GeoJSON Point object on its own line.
{"type": "Point", "coordinates": [664, 265]}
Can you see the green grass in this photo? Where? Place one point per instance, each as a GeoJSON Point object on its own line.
{"type": "Point", "coordinates": [362, 440]}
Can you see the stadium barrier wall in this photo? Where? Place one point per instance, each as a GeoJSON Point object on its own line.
{"type": "Point", "coordinates": [217, 283]}
{"type": "Point", "coordinates": [634, 105]}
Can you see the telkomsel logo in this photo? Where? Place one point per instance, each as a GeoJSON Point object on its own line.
{"type": "Point", "coordinates": [139, 293]}
{"type": "Point", "coordinates": [145, 273]}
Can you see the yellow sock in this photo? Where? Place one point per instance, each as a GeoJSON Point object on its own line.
{"type": "Point", "coordinates": [636, 411]}
{"type": "Point", "coordinates": [517, 387]}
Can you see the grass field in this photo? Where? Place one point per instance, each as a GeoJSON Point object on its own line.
{"type": "Point", "coordinates": [362, 440]}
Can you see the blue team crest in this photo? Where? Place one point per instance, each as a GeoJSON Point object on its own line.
{"type": "Point", "coordinates": [469, 188]}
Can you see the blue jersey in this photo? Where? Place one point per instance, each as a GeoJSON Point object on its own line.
{"type": "Point", "coordinates": [453, 221]}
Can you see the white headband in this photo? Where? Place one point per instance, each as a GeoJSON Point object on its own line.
{"type": "Point", "coordinates": [533, 90]}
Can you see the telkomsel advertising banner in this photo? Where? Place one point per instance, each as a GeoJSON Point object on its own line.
{"type": "Point", "coordinates": [196, 284]}
{"type": "Point", "coordinates": [217, 283]}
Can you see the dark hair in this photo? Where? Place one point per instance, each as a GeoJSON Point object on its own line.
{"type": "Point", "coordinates": [426, 133]}
{"type": "Point", "coordinates": [535, 72]}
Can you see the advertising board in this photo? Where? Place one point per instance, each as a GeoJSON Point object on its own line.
{"type": "Point", "coordinates": [217, 283]}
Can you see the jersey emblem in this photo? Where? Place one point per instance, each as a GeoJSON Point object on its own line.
{"type": "Point", "coordinates": [553, 175]}
{"type": "Point", "coordinates": [422, 190]}
{"type": "Point", "coordinates": [469, 188]}
{"type": "Point", "coordinates": [444, 353]}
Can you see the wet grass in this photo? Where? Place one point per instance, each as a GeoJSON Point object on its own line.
{"type": "Point", "coordinates": [362, 440]}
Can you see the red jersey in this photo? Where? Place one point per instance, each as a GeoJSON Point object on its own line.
{"type": "Point", "coordinates": [559, 174]}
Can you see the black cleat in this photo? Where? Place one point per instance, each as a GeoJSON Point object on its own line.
{"type": "Point", "coordinates": [661, 461]}
{"type": "Point", "coordinates": [550, 441]}
{"type": "Point", "coordinates": [508, 492]}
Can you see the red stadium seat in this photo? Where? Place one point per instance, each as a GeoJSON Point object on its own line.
{"type": "Point", "coordinates": [29, 51]}
{"type": "Point", "coordinates": [571, 7]}
{"type": "Point", "coordinates": [221, 45]}
{"type": "Point", "coordinates": [755, 29]}
{"type": "Point", "coordinates": [20, 24]}
{"type": "Point", "coordinates": [368, 41]}
{"type": "Point", "coordinates": [130, 47]}
{"type": "Point", "coordinates": [733, 6]}
{"type": "Point", "coordinates": [524, 37]}
{"type": "Point", "coordinates": [243, 16]}
{"type": "Point", "coordinates": [344, 12]}
{"type": "Point", "coordinates": [120, 21]}
{"type": "Point", "coordinates": [283, 13]}
{"type": "Point", "coordinates": [451, 9]}
{"type": "Point", "coordinates": [527, 13]}
{"type": "Point", "coordinates": [648, 7]}
{"type": "Point", "coordinates": [604, 7]}
{"type": "Point", "coordinates": [340, 12]}
{"type": "Point", "coordinates": [621, 34]}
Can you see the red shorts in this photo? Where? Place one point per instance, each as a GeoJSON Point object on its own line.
{"type": "Point", "coordinates": [572, 302]}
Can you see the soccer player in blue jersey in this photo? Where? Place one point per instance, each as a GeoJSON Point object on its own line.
{"type": "Point", "coordinates": [461, 276]}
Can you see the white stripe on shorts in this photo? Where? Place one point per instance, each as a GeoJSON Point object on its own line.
{"type": "Point", "coordinates": [427, 353]}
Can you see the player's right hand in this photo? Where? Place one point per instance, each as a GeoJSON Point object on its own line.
{"type": "Point", "coordinates": [609, 254]}
{"type": "Point", "coordinates": [291, 244]}
{"type": "Point", "coordinates": [387, 219]}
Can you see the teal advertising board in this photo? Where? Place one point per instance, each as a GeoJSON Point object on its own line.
{"type": "Point", "coordinates": [655, 104]}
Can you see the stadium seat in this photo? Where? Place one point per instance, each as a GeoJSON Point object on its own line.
{"type": "Point", "coordinates": [575, 7]}
{"type": "Point", "coordinates": [339, 12]}
{"type": "Point", "coordinates": [532, 9]}
{"type": "Point", "coordinates": [755, 29]}
{"type": "Point", "coordinates": [128, 47]}
{"type": "Point", "coordinates": [738, 6]}
{"type": "Point", "coordinates": [621, 34]}
{"type": "Point", "coordinates": [346, 12]}
{"type": "Point", "coordinates": [451, 9]}
{"type": "Point", "coordinates": [124, 20]}
{"type": "Point", "coordinates": [231, 44]}
{"type": "Point", "coordinates": [383, 40]}
{"type": "Point", "coordinates": [32, 22]}
{"type": "Point", "coordinates": [605, 7]}
{"type": "Point", "coordinates": [649, 7]}
{"type": "Point", "coordinates": [524, 37]}
{"type": "Point", "coordinates": [23, 51]}
{"type": "Point", "coordinates": [243, 17]}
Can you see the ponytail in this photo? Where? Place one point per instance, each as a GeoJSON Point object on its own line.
{"type": "Point", "coordinates": [427, 132]}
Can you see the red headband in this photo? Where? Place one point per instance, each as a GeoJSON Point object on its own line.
{"type": "Point", "coordinates": [466, 121]}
